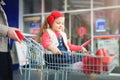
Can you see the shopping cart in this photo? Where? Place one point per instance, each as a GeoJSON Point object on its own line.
{"type": "Point", "coordinates": [43, 60]}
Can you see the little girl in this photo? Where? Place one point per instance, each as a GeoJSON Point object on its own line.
{"type": "Point", "coordinates": [54, 39]}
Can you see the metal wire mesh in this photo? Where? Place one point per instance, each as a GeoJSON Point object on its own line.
{"type": "Point", "coordinates": [39, 58]}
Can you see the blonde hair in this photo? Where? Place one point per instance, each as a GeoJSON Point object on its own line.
{"type": "Point", "coordinates": [42, 29]}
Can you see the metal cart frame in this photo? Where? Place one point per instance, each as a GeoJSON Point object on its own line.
{"type": "Point", "coordinates": [36, 61]}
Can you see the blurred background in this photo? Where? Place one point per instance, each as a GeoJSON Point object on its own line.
{"type": "Point", "coordinates": [84, 20]}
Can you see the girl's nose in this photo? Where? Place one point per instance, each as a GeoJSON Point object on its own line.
{"type": "Point", "coordinates": [61, 25]}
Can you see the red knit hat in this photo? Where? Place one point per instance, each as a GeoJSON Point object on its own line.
{"type": "Point", "coordinates": [53, 16]}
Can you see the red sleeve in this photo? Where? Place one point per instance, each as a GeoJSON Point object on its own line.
{"type": "Point", "coordinates": [74, 47]}
{"type": "Point", "coordinates": [45, 40]}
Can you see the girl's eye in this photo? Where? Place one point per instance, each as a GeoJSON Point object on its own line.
{"type": "Point", "coordinates": [58, 22]}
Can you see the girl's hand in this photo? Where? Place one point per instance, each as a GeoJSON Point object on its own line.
{"type": "Point", "coordinates": [54, 50]}
{"type": "Point", "coordinates": [84, 50]}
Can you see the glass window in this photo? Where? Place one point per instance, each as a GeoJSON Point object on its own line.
{"type": "Point", "coordinates": [78, 4]}
{"type": "Point", "coordinates": [31, 6]}
{"type": "Point", "coordinates": [32, 24]}
{"type": "Point", "coordinates": [54, 5]}
{"type": "Point", "coordinates": [80, 27]}
{"type": "Point", "coordinates": [107, 21]}
{"type": "Point", "coordinates": [105, 3]}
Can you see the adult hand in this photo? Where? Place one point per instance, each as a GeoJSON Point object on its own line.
{"type": "Point", "coordinates": [12, 34]}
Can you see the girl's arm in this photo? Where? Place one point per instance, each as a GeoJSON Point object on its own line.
{"type": "Point", "coordinates": [46, 40]}
{"type": "Point", "coordinates": [47, 44]}
{"type": "Point", "coordinates": [75, 47]}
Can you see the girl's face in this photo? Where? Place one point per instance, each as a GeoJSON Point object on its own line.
{"type": "Point", "coordinates": [58, 24]}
